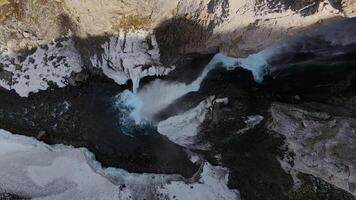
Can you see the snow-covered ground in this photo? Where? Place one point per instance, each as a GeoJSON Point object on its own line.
{"type": "Point", "coordinates": [53, 63]}
{"type": "Point", "coordinates": [33, 169]}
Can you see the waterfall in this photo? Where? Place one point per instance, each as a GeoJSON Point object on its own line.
{"type": "Point", "coordinates": [159, 94]}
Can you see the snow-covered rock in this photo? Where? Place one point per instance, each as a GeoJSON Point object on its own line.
{"type": "Point", "coordinates": [183, 129]}
{"type": "Point", "coordinates": [51, 64]}
{"type": "Point", "coordinates": [32, 169]}
{"type": "Point", "coordinates": [129, 55]}
{"type": "Point", "coordinates": [212, 187]}
{"type": "Point", "coordinates": [251, 121]}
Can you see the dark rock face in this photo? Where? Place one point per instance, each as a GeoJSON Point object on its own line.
{"type": "Point", "coordinates": [305, 7]}
{"type": "Point", "coordinates": [213, 5]}
{"type": "Point", "coordinates": [244, 154]}
{"type": "Point", "coordinates": [7, 196]}
{"type": "Point", "coordinates": [179, 35]}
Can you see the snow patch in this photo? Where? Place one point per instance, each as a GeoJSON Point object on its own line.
{"type": "Point", "coordinates": [51, 64]}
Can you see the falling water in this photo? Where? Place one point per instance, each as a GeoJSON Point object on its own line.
{"type": "Point", "coordinates": [159, 94]}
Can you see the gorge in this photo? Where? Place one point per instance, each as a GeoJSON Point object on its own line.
{"type": "Point", "coordinates": [157, 99]}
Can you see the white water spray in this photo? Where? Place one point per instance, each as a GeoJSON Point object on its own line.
{"type": "Point", "coordinates": [159, 94]}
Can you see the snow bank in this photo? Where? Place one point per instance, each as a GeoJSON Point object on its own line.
{"type": "Point", "coordinates": [130, 56]}
{"type": "Point", "coordinates": [36, 170]}
{"type": "Point", "coordinates": [51, 64]}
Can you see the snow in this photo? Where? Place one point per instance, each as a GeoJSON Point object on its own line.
{"type": "Point", "coordinates": [50, 64]}
{"type": "Point", "coordinates": [183, 129]}
{"type": "Point", "coordinates": [32, 169]}
{"type": "Point", "coordinates": [130, 56]}
{"type": "Point", "coordinates": [210, 183]}
{"type": "Point", "coordinates": [253, 120]}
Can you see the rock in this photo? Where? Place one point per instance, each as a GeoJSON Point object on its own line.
{"type": "Point", "coordinates": [251, 121]}
{"type": "Point", "coordinates": [235, 27]}
{"type": "Point", "coordinates": [349, 7]}
{"type": "Point", "coordinates": [26, 34]}
{"type": "Point", "coordinates": [41, 134]}
{"type": "Point", "coordinates": [323, 144]}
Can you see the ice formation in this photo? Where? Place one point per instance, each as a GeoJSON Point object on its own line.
{"type": "Point", "coordinates": [51, 64]}
{"type": "Point", "coordinates": [130, 56]}
{"type": "Point", "coordinates": [32, 169]}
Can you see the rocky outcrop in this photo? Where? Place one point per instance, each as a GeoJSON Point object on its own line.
{"type": "Point", "coordinates": [349, 7]}
{"type": "Point", "coordinates": [323, 144]}
{"type": "Point", "coordinates": [237, 27]}
{"type": "Point", "coordinates": [128, 40]}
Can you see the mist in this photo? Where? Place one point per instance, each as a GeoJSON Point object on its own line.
{"type": "Point", "coordinates": [158, 94]}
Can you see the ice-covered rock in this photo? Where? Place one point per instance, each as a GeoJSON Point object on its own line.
{"type": "Point", "coordinates": [184, 128]}
{"type": "Point", "coordinates": [131, 55]}
{"type": "Point", "coordinates": [32, 169]}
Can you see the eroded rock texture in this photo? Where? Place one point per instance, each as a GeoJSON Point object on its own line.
{"type": "Point", "coordinates": [323, 143]}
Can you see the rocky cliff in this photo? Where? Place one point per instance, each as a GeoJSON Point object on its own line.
{"type": "Point", "coordinates": [128, 40]}
{"type": "Point", "coordinates": [239, 27]}
{"type": "Point", "coordinates": [45, 45]}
